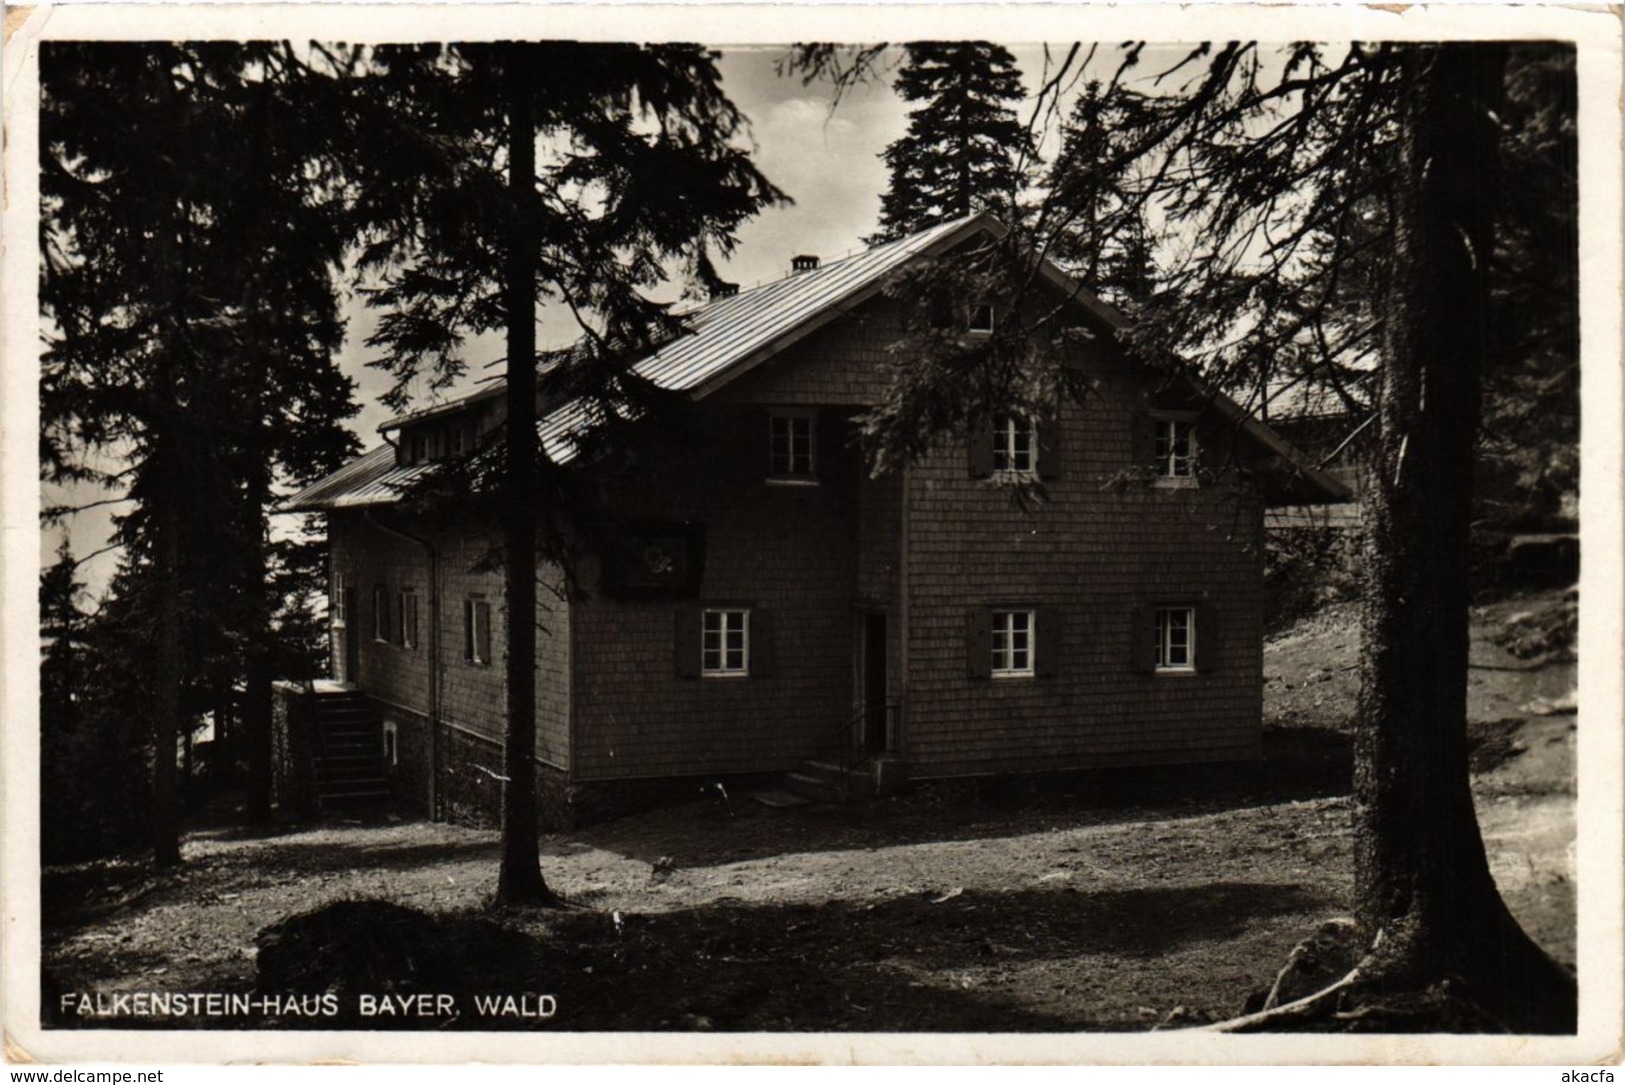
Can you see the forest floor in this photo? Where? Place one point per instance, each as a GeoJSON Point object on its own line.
{"type": "Point", "coordinates": [1113, 901]}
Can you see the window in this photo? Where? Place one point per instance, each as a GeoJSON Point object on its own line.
{"type": "Point", "coordinates": [1174, 455]}
{"type": "Point", "coordinates": [1176, 639]}
{"type": "Point", "coordinates": [380, 612]}
{"type": "Point", "coordinates": [1014, 450]}
{"type": "Point", "coordinates": [477, 631]}
{"type": "Point", "coordinates": [406, 618]}
{"type": "Point", "coordinates": [791, 446]}
{"type": "Point", "coordinates": [981, 319]}
{"type": "Point", "coordinates": [341, 616]}
{"type": "Point", "coordinates": [1012, 642]}
{"type": "Point", "coordinates": [724, 643]}
{"type": "Point", "coordinates": [417, 447]}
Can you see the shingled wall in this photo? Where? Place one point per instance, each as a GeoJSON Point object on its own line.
{"type": "Point", "coordinates": [472, 699]}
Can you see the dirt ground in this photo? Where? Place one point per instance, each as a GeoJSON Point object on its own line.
{"type": "Point", "coordinates": [1112, 901]}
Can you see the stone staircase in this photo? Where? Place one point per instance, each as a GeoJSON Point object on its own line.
{"type": "Point", "coordinates": [348, 751]}
{"type": "Point", "coordinates": [822, 779]}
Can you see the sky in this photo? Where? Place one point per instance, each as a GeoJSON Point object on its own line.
{"type": "Point", "coordinates": [827, 160]}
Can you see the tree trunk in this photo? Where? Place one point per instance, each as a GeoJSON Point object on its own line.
{"type": "Point", "coordinates": [166, 846]}
{"type": "Point", "coordinates": [257, 662]}
{"type": "Point", "coordinates": [520, 880]}
{"type": "Point", "coordinates": [1426, 901]}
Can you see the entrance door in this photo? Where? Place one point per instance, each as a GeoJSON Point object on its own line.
{"type": "Point", "coordinates": [352, 640]}
{"type": "Point", "coordinates": [874, 683]}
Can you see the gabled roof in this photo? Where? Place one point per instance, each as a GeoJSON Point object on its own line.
{"type": "Point", "coordinates": [732, 335]}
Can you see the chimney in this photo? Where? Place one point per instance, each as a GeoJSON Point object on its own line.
{"type": "Point", "coordinates": [798, 264]}
{"type": "Point", "coordinates": [724, 290]}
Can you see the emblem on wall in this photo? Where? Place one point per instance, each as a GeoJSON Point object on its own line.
{"type": "Point", "coordinates": [655, 561]}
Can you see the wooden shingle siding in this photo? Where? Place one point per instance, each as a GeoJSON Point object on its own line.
{"type": "Point", "coordinates": [471, 696]}
{"type": "Point", "coordinates": [788, 554]}
{"type": "Point", "coordinates": [1104, 545]}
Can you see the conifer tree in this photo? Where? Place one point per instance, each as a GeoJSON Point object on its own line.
{"type": "Point", "coordinates": [965, 149]}
{"type": "Point", "coordinates": [1341, 201]}
{"type": "Point", "coordinates": [1099, 232]}
{"type": "Point", "coordinates": [191, 234]}
{"type": "Point", "coordinates": [499, 174]}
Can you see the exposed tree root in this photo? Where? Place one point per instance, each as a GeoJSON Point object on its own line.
{"type": "Point", "coordinates": [1296, 1012]}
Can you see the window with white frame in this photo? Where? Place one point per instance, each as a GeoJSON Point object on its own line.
{"type": "Point", "coordinates": [1176, 638]}
{"type": "Point", "coordinates": [476, 631]}
{"type": "Point", "coordinates": [981, 319]}
{"type": "Point", "coordinates": [792, 446]}
{"type": "Point", "coordinates": [1175, 450]}
{"type": "Point", "coordinates": [406, 618]}
{"type": "Point", "coordinates": [725, 643]}
{"type": "Point", "coordinates": [1013, 642]}
{"type": "Point", "coordinates": [1015, 449]}
{"type": "Point", "coordinates": [338, 605]}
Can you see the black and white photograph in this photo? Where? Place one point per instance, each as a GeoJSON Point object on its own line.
{"type": "Point", "coordinates": [1055, 534]}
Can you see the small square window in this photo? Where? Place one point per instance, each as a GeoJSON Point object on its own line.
{"type": "Point", "coordinates": [981, 319]}
{"type": "Point", "coordinates": [1013, 642]}
{"type": "Point", "coordinates": [1175, 452]}
{"type": "Point", "coordinates": [476, 631]}
{"type": "Point", "coordinates": [725, 643]}
{"type": "Point", "coordinates": [1015, 450]}
{"type": "Point", "coordinates": [791, 446]}
{"type": "Point", "coordinates": [1176, 639]}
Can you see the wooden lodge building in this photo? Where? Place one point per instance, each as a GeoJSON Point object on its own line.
{"type": "Point", "coordinates": [780, 611]}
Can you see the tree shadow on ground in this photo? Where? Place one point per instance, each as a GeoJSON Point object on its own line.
{"type": "Point", "coordinates": [73, 897]}
{"type": "Point", "coordinates": [1297, 764]}
{"type": "Point", "coordinates": [913, 963]}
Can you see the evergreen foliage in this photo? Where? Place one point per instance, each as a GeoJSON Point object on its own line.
{"type": "Point", "coordinates": [497, 175]}
{"type": "Point", "coordinates": [965, 149]}
{"type": "Point", "coordinates": [191, 225]}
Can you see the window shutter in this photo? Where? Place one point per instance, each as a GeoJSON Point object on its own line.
{"type": "Point", "coordinates": [1144, 441]}
{"type": "Point", "coordinates": [686, 643]}
{"type": "Point", "coordinates": [759, 448]}
{"type": "Point", "coordinates": [1209, 637]}
{"type": "Point", "coordinates": [1143, 640]}
{"type": "Point", "coordinates": [468, 630]}
{"type": "Point", "coordinates": [1050, 462]}
{"type": "Point", "coordinates": [829, 444]}
{"type": "Point", "coordinates": [1051, 624]}
{"type": "Point", "coordinates": [979, 642]}
{"type": "Point", "coordinates": [979, 450]}
{"type": "Point", "coordinates": [761, 643]}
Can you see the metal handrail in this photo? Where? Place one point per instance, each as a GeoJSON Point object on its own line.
{"type": "Point", "coordinates": [849, 740]}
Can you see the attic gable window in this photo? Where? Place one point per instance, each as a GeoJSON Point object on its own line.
{"type": "Point", "coordinates": [1174, 454]}
{"type": "Point", "coordinates": [792, 446]}
{"type": "Point", "coordinates": [1015, 451]}
{"type": "Point", "coordinates": [1176, 639]}
{"type": "Point", "coordinates": [980, 320]}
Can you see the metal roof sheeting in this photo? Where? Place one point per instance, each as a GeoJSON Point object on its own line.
{"type": "Point", "coordinates": [727, 336]}
{"type": "Point", "coordinates": [374, 479]}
